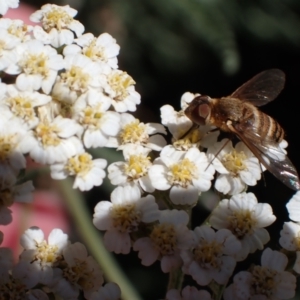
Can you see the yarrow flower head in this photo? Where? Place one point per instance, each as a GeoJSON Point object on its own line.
{"type": "Point", "coordinates": [58, 24]}
{"type": "Point", "coordinates": [123, 216]}
{"type": "Point", "coordinates": [186, 174]}
{"type": "Point", "coordinates": [134, 170]}
{"type": "Point", "coordinates": [18, 281]}
{"type": "Point", "coordinates": [88, 172]}
{"type": "Point", "coordinates": [91, 111]}
{"type": "Point", "coordinates": [102, 49]}
{"type": "Point", "coordinates": [290, 240]}
{"type": "Point", "coordinates": [211, 255]}
{"type": "Point", "coordinates": [79, 272]}
{"type": "Point", "coordinates": [246, 219]}
{"type": "Point", "coordinates": [237, 167]}
{"type": "Point", "coordinates": [166, 240]}
{"type": "Point", "coordinates": [135, 132]}
{"type": "Point", "coordinates": [37, 65]}
{"type": "Point", "coordinates": [268, 281]}
{"type": "Point", "coordinates": [42, 254]}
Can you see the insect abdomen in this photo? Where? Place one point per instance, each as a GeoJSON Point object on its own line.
{"type": "Point", "coordinates": [267, 127]}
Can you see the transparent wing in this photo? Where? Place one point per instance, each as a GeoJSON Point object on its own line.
{"type": "Point", "coordinates": [262, 88]}
{"type": "Point", "coordinates": [270, 154]}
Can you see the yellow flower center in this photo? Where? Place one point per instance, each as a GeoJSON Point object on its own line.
{"type": "Point", "coordinates": [241, 223]}
{"type": "Point", "coordinates": [76, 79]}
{"type": "Point", "coordinates": [263, 281]}
{"type": "Point", "coordinates": [188, 141]}
{"type": "Point", "coordinates": [80, 274]}
{"type": "Point", "coordinates": [120, 81]}
{"type": "Point", "coordinates": [46, 254]}
{"type": "Point", "coordinates": [21, 107]}
{"type": "Point", "coordinates": [34, 64]}
{"type": "Point", "coordinates": [207, 254]}
{"type": "Point", "coordinates": [47, 134]}
{"type": "Point", "coordinates": [18, 30]}
{"type": "Point", "coordinates": [92, 116]}
{"type": "Point", "coordinates": [56, 18]}
{"type": "Point", "coordinates": [134, 132]}
{"type": "Point", "coordinates": [80, 164]}
{"type": "Point", "coordinates": [7, 145]}
{"type": "Point", "coordinates": [94, 52]}
{"type": "Point", "coordinates": [125, 217]}
{"type": "Point", "coordinates": [234, 161]}
{"type": "Point", "coordinates": [183, 172]}
{"type": "Point", "coordinates": [137, 166]}
{"type": "Point", "coordinates": [164, 238]}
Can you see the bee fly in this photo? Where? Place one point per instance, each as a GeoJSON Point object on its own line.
{"type": "Point", "coordinates": [238, 114]}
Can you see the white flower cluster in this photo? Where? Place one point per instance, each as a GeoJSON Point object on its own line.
{"type": "Point", "coordinates": [55, 266]}
{"type": "Point", "coordinates": [159, 227]}
{"type": "Point", "coordinates": [62, 93]}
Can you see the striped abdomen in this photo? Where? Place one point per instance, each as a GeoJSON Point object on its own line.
{"type": "Point", "coordinates": [267, 127]}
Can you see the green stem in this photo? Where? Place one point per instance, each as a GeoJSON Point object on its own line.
{"type": "Point", "coordinates": [175, 279]}
{"type": "Point", "coordinates": [94, 241]}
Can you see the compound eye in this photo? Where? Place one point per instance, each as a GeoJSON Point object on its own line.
{"type": "Point", "coordinates": [204, 110]}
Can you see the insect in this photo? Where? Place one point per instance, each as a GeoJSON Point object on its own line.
{"type": "Point", "coordinates": [238, 114]}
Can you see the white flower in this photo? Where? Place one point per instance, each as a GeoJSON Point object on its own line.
{"type": "Point", "coordinates": [166, 240]}
{"type": "Point", "coordinates": [120, 87]}
{"type": "Point", "coordinates": [6, 4]}
{"type": "Point", "coordinates": [185, 173]}
{"type": "Point", "coordinates": [42, 254]}
{"type": "Point", "coordinates": [91, 112]}
{"type": "Point", "coordinates": [268, 281]}
{"type": "Point", "coordinates": [8, 42]}
{"type": "Point", "coordinates": [79, 272]}
{"type": "Point", "coordinates": [134, 170]}
{"type": "Point", "coordinates": [123, 215]}
{"type": "Point", "coordinates": [87, 172]}
{"type": "Point", "coordinates": [290, 240]}
{"type": "Point", "coordinates": [58, 24]}
{"type": "Point", "coordinates": [245, 218]}
{"type": "Point", "coordinates": [109, 291]}
{"type": "Point", "coordinates": [211, 256]}
{"type": "Point", "coordinates": [102, 49]}
{"type": "Point", "coordinates": [38, 65]}
{"type": "Point", "coordinates": [23, 104]}
{"type": "Point", "coordinates": [238, 167]}
{"type": "Point", "coordinates": [80, 75]}
{"type": "Point", "coordinates": [188, 293]}
{"type": "Point", "coordinates": [22, 277]}
{"type": "Point", "coordinates": [184, 136]}
{"type": "Point", "coordinates": [54, 141]}
{"type": "Point", "coordinates": [16, 28]}
{"type": "Point", "coordinates": [135, 132]}
{"type": "Point", "coordinates": [13, 144]}
{"type": "Point", "coordinates": [293, 207]}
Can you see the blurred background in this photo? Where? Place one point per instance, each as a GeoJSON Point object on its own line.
{"type": "Point", "coordinates": [202, 46]}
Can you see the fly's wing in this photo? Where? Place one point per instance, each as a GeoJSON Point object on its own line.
{"type": "Point", "coordinates": [270, 154]}
{"type": "Point", "coordinates": [262, 88]}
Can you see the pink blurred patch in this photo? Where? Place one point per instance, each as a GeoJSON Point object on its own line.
{"type": "Point", "coordinates": [46, 211]}
{"type": "Point", "coordinates": [23, 12]}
